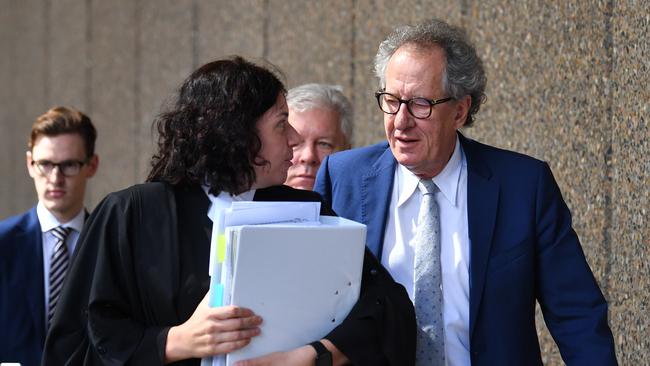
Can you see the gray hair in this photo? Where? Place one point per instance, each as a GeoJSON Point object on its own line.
{"type": "Point", "coordinates": [310, 96]}
{"type": "Point", "coordinates": [464, 73]}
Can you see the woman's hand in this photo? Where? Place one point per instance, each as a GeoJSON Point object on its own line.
{"type": "Point", "coordinates": [211, 331]}
{"type": "Point", "coordinates": [301, 356]}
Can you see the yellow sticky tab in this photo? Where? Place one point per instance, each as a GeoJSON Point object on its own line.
{"type": "Point", "coordinates": [221, 248]}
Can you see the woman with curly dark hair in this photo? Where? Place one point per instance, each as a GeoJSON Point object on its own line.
{"type": "Point", "coordinates": [211, 135]}
{"type": "Point", "coordinates": [136, 292]}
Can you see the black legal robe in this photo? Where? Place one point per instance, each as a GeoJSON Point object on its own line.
{"type": "Point", "coordinates": [141, 267]}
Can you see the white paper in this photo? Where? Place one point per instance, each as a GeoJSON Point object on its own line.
{"type": "Point", "coordinates": [253, 213]}
{"type": "Point", "coordinates": [256, 212]}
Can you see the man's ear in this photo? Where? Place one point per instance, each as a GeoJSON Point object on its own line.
{"type": "Point", "coordinates": [462, 110]}
{"type": "Point", "coordinates": [92, 165]}
{"type": "Point", "coordinates": [30, 167]}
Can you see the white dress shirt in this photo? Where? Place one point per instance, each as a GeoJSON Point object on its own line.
{"type": "Point", "coordinates": [49, 222]}
{"type": "Point", "coordinates": [224, 200]}
{"type": "Point", "coordinates": [398, 254]}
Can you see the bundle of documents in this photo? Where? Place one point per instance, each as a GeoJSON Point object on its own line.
{"type": "Point", "coordinates": [300, 272]}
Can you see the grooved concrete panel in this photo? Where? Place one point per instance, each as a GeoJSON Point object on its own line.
{"type": "Point", "coordinates": [113, 99]}
{"type": "Point", "coordinates": [28, 94]}
{"type": "Point", "coordinates": [165, 49]}
{"type": "Point", "coordinates": [549, 66]}
{"type": "Point", "coordinates": [8, 158]}
{"type": "Point", "coordinates": [225, 28]}
{"type": "Point", "coordinates": [67, 78]}
{"type": "Point", "coordinates": [629, 263]}
{"type": "Point", "coordinates": [314, 46]}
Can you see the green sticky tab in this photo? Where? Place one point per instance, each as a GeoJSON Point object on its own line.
{"type": "Point", "coordinates": [221, 248]}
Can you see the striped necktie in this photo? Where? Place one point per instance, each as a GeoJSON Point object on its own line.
{"type": "Point", "coordinates": [58, 268]}
{"type": "Point", "coordinates": [428, 280]}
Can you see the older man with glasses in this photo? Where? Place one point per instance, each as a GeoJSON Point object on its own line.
{"type": "Point", "coordinates": [36, 246]}
{"type": "Point", "coordinates": [476, 234]}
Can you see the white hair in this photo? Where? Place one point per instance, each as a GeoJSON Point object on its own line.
{"type": "Point", "coordinates": [310, 96]}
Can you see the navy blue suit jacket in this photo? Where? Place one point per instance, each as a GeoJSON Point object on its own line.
{"type": "Point", "coordinates": [22, 303]}
{"type": "Point", "coordinates": [523, 249]}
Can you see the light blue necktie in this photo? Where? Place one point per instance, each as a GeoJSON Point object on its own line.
{"type": "Point", "coordinates": [428, 280]}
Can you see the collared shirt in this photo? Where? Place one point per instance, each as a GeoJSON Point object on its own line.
{"type": "Point", "coordinates": [224, 200]}
{"type": "Point", "coordinates": [398, 254]}
{"type": "Point", "coordinates": [49, 222]}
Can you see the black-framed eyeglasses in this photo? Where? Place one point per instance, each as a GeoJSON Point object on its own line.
{"type": "Point", "coordinates": [418, 107]}
{"type": "Point", "coordinates": [69, 168]}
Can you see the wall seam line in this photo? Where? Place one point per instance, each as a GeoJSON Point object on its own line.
{"type": "Point", "coordinates": [195, 34]}
{"type": "Point", "coordinates": [265, 31]}
{"type": "Point", "coordinates": [608, 44]}
{"type": "Point", "coordinates": [88, 66]}
{"type": "Point", "coordinates": [47, 57]}
{"type": "Point", "coordinates": [137, 69]}
{"type": "Point", "coordinates": [353, 55]}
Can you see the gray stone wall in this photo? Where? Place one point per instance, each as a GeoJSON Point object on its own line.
{"type": "Point", "coordinates": [567, 84]}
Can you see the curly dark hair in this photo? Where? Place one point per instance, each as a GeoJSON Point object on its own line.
{"type": "Point", "coordinates": [209, 135]}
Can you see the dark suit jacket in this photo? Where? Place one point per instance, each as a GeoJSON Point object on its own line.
{"type": "Point", "coordinates": [141, 267]}
{"type": "Point", "coordinates": [22, 306]}
{"type": "Point", "coordinates": [523, 249]}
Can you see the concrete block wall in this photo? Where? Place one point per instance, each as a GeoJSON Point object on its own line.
{"type": "Point", "coordinates": [567, 84]}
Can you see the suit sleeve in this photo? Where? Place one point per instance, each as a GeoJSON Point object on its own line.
{"type": "Point", "coordinates": [574, 308]}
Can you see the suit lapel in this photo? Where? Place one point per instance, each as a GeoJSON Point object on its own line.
{"type": "Point", "coordinates": [31, 245]}
{"type": "Point", "coordinates": [376, 187]}
{"type": "Point", "coordinates": [482, 202]}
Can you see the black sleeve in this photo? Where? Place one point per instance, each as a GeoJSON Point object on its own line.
{"type": "Point", "coordinates": [118, 325]}
{"type": "Point", "coordinates": [381, 327]}
{"type": "Point", "coordinates": [103, 316]}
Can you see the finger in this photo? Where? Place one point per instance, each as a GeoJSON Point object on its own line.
{"type": "Point", "coordinates": [227, 312]}
{"type": "Point", "coordinates": [260, 361]}
{"type": "Point", "coordinates": [253, 362]}
{"type": "Point", "coordinates": [236, 324]}
{"type": "Point", "coordinates": [227, 347]}
{"type": "Point", "coordinates": [235, 335]}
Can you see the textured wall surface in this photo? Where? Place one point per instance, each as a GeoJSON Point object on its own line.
{"type": "Point", "coordinates": [567, 84]}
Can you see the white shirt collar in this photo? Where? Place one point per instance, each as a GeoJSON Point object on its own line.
{"type": "Point", "coordinates": [224, 200]}
{"type": "Point", "coordinates": [49, 222]}
{"type": "Point", "coordinates": [447, 180]}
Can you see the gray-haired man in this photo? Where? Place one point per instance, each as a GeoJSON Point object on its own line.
{"type": "Point", "coordinates": [322, 116]}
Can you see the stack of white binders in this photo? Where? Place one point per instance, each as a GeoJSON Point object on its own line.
{"type": "Point", "coordinates": [301, 273]}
